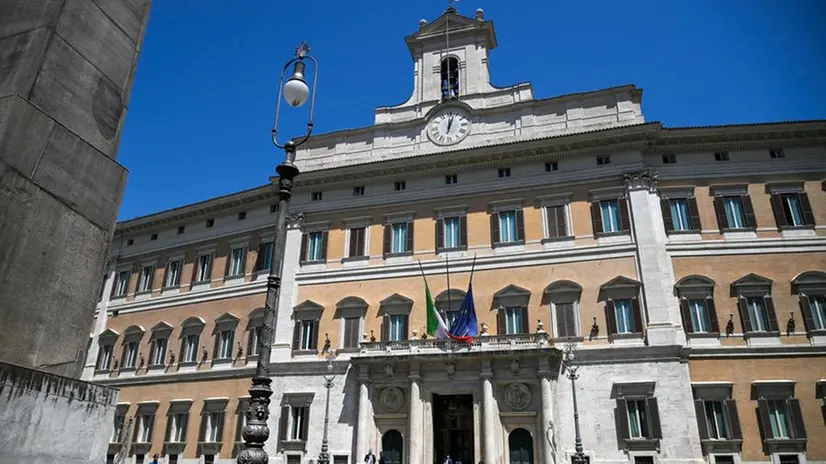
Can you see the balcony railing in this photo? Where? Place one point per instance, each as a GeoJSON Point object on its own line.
{"type": "Point", "coordinates": [485, 343]}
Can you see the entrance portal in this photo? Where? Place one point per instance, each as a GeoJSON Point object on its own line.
{"type": "Point", "coordinates": [453, 428]}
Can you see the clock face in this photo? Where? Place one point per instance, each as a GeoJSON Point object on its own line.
{"type": "Point", "coordinates": [448, 127]}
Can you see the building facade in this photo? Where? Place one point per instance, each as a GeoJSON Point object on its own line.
{"type": "Point", "coordinates": [687, 264]}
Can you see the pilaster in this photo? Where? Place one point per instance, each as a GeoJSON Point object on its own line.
{"type": "Point", "coordinates": [362, 427]}
{"type": "Point", "coordinates": [102, 319]}
{"type": "Point", "coordinates": [489, 455]}
{"type": "Point", "coordinates": [282, 346]}
{"type": "Point", "coordinates": [547, 418]}
{"type": "Point", "coordinates": [415, 426]}
{"type": "Point", "coordinates": [655, 266]}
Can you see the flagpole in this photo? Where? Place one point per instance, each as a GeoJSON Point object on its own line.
{"type": "Point", "coordinates": [447, 272]}
{"type": "Point", "coordinates": [472, 267]}
{"type": "Point", "coordinates": [422, 269]}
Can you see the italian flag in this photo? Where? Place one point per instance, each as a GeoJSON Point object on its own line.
{"type": "Point", "coordinates": [435, 325]}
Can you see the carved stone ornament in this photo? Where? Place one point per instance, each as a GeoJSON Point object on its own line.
{"type": "Point", "coordinates": [644, 179]}
{"type": "Point", "coordinates": [518, 396]}
{"type": "Point", "coordinates": [515, 366]}
{"type": "Point", "coordinates": [388, 370]}
{"type": "Point", "coordinates": [392, 399]}
{"type": "Point", "coordinates": [294, 219]}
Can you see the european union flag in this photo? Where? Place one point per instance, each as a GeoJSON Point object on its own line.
{"type": "Point", "coordinates": [465, 327]}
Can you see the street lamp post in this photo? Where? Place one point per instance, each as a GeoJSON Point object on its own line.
{"type": "Point", "coordinates": [324, 456]}
{"type": "Point", "coordinates": [571, 372]}
{"type": "Point", "coordinates": [295, 92]}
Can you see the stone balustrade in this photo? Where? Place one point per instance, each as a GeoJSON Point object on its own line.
{"type": "Point", "coordinates": [485, 343]}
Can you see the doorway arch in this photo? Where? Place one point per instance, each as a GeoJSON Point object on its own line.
{"type": "Point", "coordinates": [392, 445]}
{"type": "Point", "coordinates": [520, 444]}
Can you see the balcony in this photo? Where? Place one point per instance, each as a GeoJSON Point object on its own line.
{"type": "Point", "coordinates": [431, 346]}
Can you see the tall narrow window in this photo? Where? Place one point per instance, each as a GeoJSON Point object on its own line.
{"type": "Point", "coordinates": [637, 420]}
{"type": "Point", "coordinates": [452, 232]}
{"type": "Point", "coordinates": [225, 339]}
{"type": "Point", "coordinates": [398, 323]}
{"type": "Point", "coordinates": [307, 335]}
{"type": "Point", "coordinates": [699, 315]}
{"type": "Point", "coordinates": [565, 317]}
{"type": "Point", "coordinates": [117, 433]}
{"type": "Point", "coordinates": [299, 416]}
{"type": "Point", "coordinates": [734, 212]}
{"type": "Point", "coordinates": [610, 216]}
{"type": "Point", "coordinates": [507, 226]}
{"type": "Point", "coordinates": [556, 221]}
{"type": "Point", "coordinates": [204, 268]}
{"type": "Point", "coordinates": [130, 354]}
{"type": "Point", "coordinates": [146, 277]}
{"type": "Point", "coordinates": [716, 420]}
{"type": "Point", "coordinates": [177, 427]}
{"type": "Point", "coordinates": [625, 316]}
{"type": "Point", "coordinates": [214, 427]}
{"type": "Point", "coordinates": [104, 357]}
{"type": "Point", "coordinates": [792, 210]}
{"type": "Point", "coordinates": [236, 263]}
{"type": "Point", "coordinates": [680, 218]}
{"type": "Point", "coordinates": [399, 238]}
{"type": "Point", "coordinates": [514, 320]}
{"type": "Point", "coordinates": [190, 351]}
{"type": "Point", "coordinates": [351, 332]}
{"type": "Point", "coordinates": [158, 351]}
{"type": "Point", "coordinates": [173, 273]}
{"type": "Point", "coordinates": [357, 242]}
{"type": "Point", "coordinates": [144, 428]}
{"type": "Point", "coordinates": [121, 283]}
{"type": "Point", "coordinates": [817, 305]}
{"type": "Point", "coordinates": [779, 418]}
{"type": "Point", "coordinates": [264, 260]}
{"type": "Point", "coordinates": [450, 78]}
{"type": "Point", "coordinates": [757, 314]}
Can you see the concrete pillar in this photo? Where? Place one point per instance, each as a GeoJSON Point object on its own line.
{"type": "Point", "coordinates": [488, 419]}
{"type": "Point", "coordinates": [282, 345]}
{"type": "Point", "coordinates": [415, 428]}
{"type": "Point", "coordinates": [100, 322]}
{"type": "Point", "coordinates": [362, 431]}
{"type": "Point", "coordinates": [547, 413]}
{"type": "Point", "coordinates": [655, 266]}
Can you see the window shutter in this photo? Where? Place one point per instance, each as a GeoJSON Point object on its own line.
{"type": "Point", "coordinates": [665, 206]}
{"type": "Point", "coordinates": [765, 418]}
{"type": "Point", "coordinates": [388, 238]}
{"type": "Point", "coordinates": [463, 230]}
{"type": "Point", "coordinates": [700, 411]}
{"type": "Point", "coordinates": [405, 327]}
{"type": "Point", "coordinates": [297, 335]}
{"type": "Point", "coordinates": [440, 234]}
{"type": "Point", "coordinates": [694, 214]}
{"type": "Point", "coordinates": [304, 243]}
{"type": "Point", "coordinates": [611, 317]}
{"type": "Point", "coordinates": [720, 211]}
{"type": "Point", "coordinates": [526, 323]}
{"type": "Point", "coordinates": [686, 313]}
{"type": "Point", "coordinates": [219, 435]}
{"type": "Point", "coordinates": [385, 328]}
{"type": "Point", "coordinates": [494, 228]}
{"type": "Point", "coordinates": [305, 426]}
{"type": "Point", "coordinates": [770, 314]}
{"type": "Point", "coordinates": [566, 320]}
{"type": "Point", "coordinates": [806, 311]}
{"type": "Point", "coordinates": [100, 353]}
{"type": "Point", "coordinates": [638, 324]}
{"type": "Point", "coordinates": [777, 208]}
{"type": "Point", "coordinates": [250, 336]}
{"type": "Point", "coordinates": [732, 419]}
{"type": "Point", "coordinates": [362, 249]}
{"type": "Point", "coordinates": [238, 421]}
{"type": "Point", "coordinates": [797, 418]}
{"type": "Point", "coordinates": [744, 314]}
{"type": "Point", "coordinates": [353, 245]}
{"type": "Point", "coordinates": [216, 340]}
{"type": "Point", "coordinates": [152, 344]}
{"type": "Point", "coordinates": [622, 419]}
{"type": "Point", "coordinates": [324, 245]}
{"type": "Point", "coordinates": [151, 427]}
{"type": "Point", "coordinates": [409, 237]}
{"type": "Point", "coordinates": [748, 211]}
{"type": "Point", "coordinates": [596, 218]}
{"type": "Point", "coordinates": [806, 209]}
{"type": "Point", "coordinates": [562, 221]}
{"type": "Point", "coordinates": [520, 225]}
{"type": "Point", "coordinates": [625, 217]}
{"type": "Point", "coordinates": [314, 340]}
{"type": "Point", "coordinates": [654, 418]}
{"type": "Point", "coordinates": [713, 323]}
{"type": "Point", "coordinates": [167, 434]}
{"type": "Point", "coordinates": [282, 423]}
{"type": "Point", "coordinates": [181, 354]}
{"type": "Point", "coordinates": [501, 321]}
{"type": "Point", "coordinates": [202, 431]}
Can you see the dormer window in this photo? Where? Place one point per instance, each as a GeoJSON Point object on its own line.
{"type": "Point", "coordinates": [450, 78]}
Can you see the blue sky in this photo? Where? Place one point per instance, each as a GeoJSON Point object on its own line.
{"type": "Point", "coordinates": [203, 100]}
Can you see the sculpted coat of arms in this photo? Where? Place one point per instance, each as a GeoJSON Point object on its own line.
{"type": "Point", "coordinates": [518, 396]}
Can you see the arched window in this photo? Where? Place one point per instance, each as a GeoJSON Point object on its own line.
{"type": "Point", "coordinates": [699, 314]}
{"type": "Point", "coordinates": [450, 78]}
{"type": "Point", "coordinates": [392, 447]}
{"type": "Point", "coordinates": [563, 297]}
{"type": "Point", "coordinates": [520, 445]}
{"type": "Point", "coordinates": [191, 329]}
{"type": "Point", "coordinates": [810, 287]}
{"type": "Point", "coordinates": [448, 303]}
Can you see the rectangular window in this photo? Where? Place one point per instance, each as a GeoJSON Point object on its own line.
{"type": "Point", "coordinates": [758, 316]}
{"type": "Point", "coordinates": [507, 227]}
{"type": "Point", "coordinates": [144, 428]}
{"type": "Point", "coordinates": [557, 221]}
{"type": "Point", "coordinates": [117, 433]}
{"type": "Point", "coordinates": [158, 351]}
{"type": "Point", "coordinates": [358, 191]}
{"type": "Point", "coordinates": [817, 305]}
{"type": "Point", "coordinates": [130, 242]}
{"type": "Point", "coordinates": [779, 418]}
{"type": "Point", "coordinates": [399, 186]}
{"type": "Point", "coordinates": [173, 273]}
{"type": "Point", "coordinates": [274, 208]}
{"type": "Point", "coordinates": [777, 153]}
{"type": "Point", "coordinates": [451, 179]}
{"type": "Point", "coordinates": [264, 260]}
{"type": "Point", "coordinates": [298, 416]}
{"type": "Point", "coordinates": [789, 211]}
{"type": "Point", "coordinates": [643, 459]}
{"type": "Point", "coordinates": [625, 317]}
{"type": "Point", "coordinates": [669, 159]}
{"type": "Point", "coordinates": [788, 459]}
{"type": "Point", "coordinates": [716, 420]}
{"type": "Point", "coordinates": [637, 419]}
{"type": "Point", "coordinates": [225, 344]}
{"type": "Point", "coordinates": [315, 246]}
{"type": "Point", "coordinates": [734, 212]}
{"type": "Point", "coordinates": [177, 427]}
{"type": "Point", "coordinates": [397, 328]}
{"type": "Point", "coordinates": [104, 357]}
{"type": "Point", "coordinates": [190, 353]}
{"type": "Point", "coordinates": [721, 156]}
{"type": "Point", "coordinates": [513, 320]}
{"type": "Point", "coordinates": [293, 459]}
{"type": "Point", "coordinates": [181, 229]}
{"type": "Point", "coordinates": [680, 217]}
{"type": "Point", "coordinates": [603, 160]}
{"type": "Point", "coordinates": [723, 459]}
{"type": "Point", "coordinates": [209, 459]}
{"type": "Point", "coordinates": [340, 460]}
{"type": "Point", "coordinates": [357, 241]}
{"type": "Point", "coordinates": [504, 172]}
{"type": "Point", "coordinates": [153, 237]}
{"type": "Point", "coordinates": [130, 354]}
{"type": "Point", "coordinates": [121, 284]}
{"type": "Point", "coordinates": [307, 333]}
{"type": "Point", "coordinates": [399, 238]}
{"type": "Point", "coordinates": [236, 262]}
{"type": "Point", "coordinates": [452, 232]}
{"type": "Point", "coordinates": [255, 335]}
{"type": "Point", "coordinates": [315, 196]}
{"type": "Point", "coordinates": [210, 222]}
{"type": "Point", "coordinates": [351, 332]}
{"type": "Point", "coordinates": [552, 166]}
{"type": "Point", "coordinates": [214, 426]}
{"type": "Point", "coordinates": [242, 215]}
{"type": "Point", "coordinates": [699, 315]}
{"type": "Point", "coordinates": [565, 320]}
{"type": "Point", "coordinates": [145, 279]}
{"type": "Point", "coordinates": [610, 213]}
{"type": "Point", "coordinates": [173, 459]}
{"type": "Point", "coordinates": [204, 269]}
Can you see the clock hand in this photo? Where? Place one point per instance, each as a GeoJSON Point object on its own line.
{"type": "Point", "coordinates": [449, 122]}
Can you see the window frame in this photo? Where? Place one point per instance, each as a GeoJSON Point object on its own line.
{"type": "Point", "coordinates": [306, 312]}
{"type": "Point", "coordinates": [638, 392]}
{"type": "Point", "coordinates": [720, 195]}
{"type": "Point", "coordinates": [766, 392]}
{"type": "Point", "coordinates": [217, 407]}
{"type": "Point", "coordinates": [225, 323]}
{"type": "Point", "coordinates": [692, 288]}
{"type": "Point", "coordinates": [511, 299]}
{"type": "Point", "coordinates": [176, 283]}
{"type": "Point", "coordinates": [349, 309]}
{"type": "Point", "coordinates": [362, 239]}
{"type": "Point", "coordinates": [121, 283]}
{"type": "Point", "coordinates": [564, 292]}
{"type": "Point", "coordinates": [161, 331]}
{"type": "Point", "coordinates": [496, 209]}
{"type": "Point", "coordinates": [778, 194]}
{"type": "Point", "coordinates": [395, 305]}
{"type": "Point", "coordinates": [692, 210]}
{"type": "Point", "coordinates": [807, 285]}
{"type": "Point", "coordinates": [623, 288]}
{"type": "Point", "coordinates": [177, 424]}
{"type": "Point", "coordinates": [201, 277]}
{"type": "Point", "coordinates": [717, 392]}
{"type": "Point", "coordinates": [289, 402]}
{"type": "Point", "coordinates": [240, 264]}
{"type": "Point", "coordinates": [132, 337]}
{"type": "Point", "coordinates": [755, 286]}
{"type": "Point", "coordinates": [623, 212]}
{"type": "Point", "coordinates": [145, 283]}
{"type": "Point", "coordinates": [308, 230]}
{"type": "Point", "coordinates": [191, 327]}
{"type": "Point", "coordinates": [389, 235]}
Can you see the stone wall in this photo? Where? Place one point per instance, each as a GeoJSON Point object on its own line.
{"type": "Point", "coordinates": [67, 70]}
{"type": "Point", "coordinates": [51, 419]}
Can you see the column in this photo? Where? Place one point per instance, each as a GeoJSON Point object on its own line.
{"type": "Point", "coordinates": [415, 425]}
{"type": "Point", "coordinates": [488, 417]}
{"type": "Point", "coordinates": [100, 321]}
{"type": "Point", "coordinates": [655, 266]}
{"type": "Point", "coordinates": [547, 413]}
{"type": "Point", "coordinates": [362, 438]}
{"type": "Point", "coordinates": [282, 343]}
